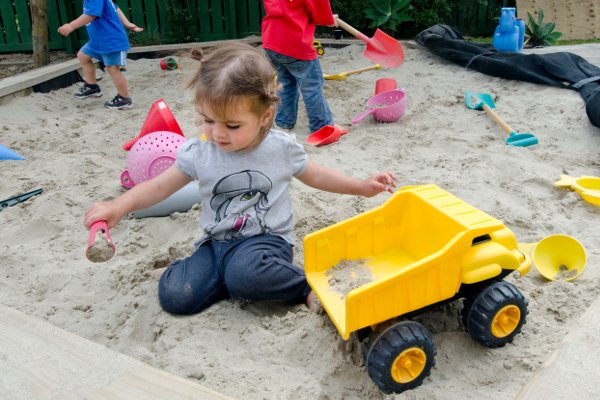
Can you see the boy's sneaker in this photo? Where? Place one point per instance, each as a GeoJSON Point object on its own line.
{"type": "Point", "coordinates": [88, 91]}
{"type": "Point", "coordinates": [119, 103]}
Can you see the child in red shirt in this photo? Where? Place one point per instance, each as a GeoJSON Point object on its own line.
{"type": "Point", "coordinates": [288, 30]}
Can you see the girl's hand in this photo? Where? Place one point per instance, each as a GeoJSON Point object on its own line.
{"type": "Point", "coordinates": [103, 211]}
{"type": "Point", "coordinates": [380, 182]}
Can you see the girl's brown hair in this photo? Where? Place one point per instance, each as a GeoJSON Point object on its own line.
{"type": "Point", "coordinates": [235, 73]}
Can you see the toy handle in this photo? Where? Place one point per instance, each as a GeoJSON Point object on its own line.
{"type": "Point", "coordinates": [497, 119]}
{"type": "Point", "coordinates": [362, 116]}
{"type": "Point", "coordinates": [103, 226]}
{"type": "Point", "coordinates": [364, 69]}
{"type": "Point", "coordinates": [353, 31]}
{"type": "Point", "coordinates": [127, 146]}
{"type": "Point", "coordinates": [126, 180]}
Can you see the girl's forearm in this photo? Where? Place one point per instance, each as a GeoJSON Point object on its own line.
{"type": "Point", "coordinates": [330, 180]}
{"type": "Point", "coordinates": [152, 191]}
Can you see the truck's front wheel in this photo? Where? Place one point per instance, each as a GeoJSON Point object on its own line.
{"type": "Point", "coordinates": [400, 357]}
{"type": "Point", "coordinates": [496, 314]}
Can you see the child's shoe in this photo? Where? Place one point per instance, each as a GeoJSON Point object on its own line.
{"type": "Point", "coordinates": [119, 103]}
{"type": "Point", "coordinates": [88, 90]}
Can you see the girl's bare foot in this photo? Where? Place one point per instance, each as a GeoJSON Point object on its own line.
{"type": "Point", "coordinates": [313, 303]}
{"type": "Point", "coordinates": [310, 299]}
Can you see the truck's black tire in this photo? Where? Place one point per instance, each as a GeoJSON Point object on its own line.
{"type": "Point", "coordinates": [400, 357]}
{"type": "Point", "coordinates": [496, 315]}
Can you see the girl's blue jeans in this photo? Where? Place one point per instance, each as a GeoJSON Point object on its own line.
{"type": "Point", "coordinates": [256, 268]}
{"type": "Point", "coordinates": [300, 77]}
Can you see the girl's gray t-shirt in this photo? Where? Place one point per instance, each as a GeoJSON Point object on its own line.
{"type": "Point", "coordinates": [245, 193]}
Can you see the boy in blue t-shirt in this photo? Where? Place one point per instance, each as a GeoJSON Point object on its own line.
{"type": "Point", "coordinates": [108, 43]}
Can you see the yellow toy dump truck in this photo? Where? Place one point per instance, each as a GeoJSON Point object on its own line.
{"type": "Point", "coordinates": [422, 247]}
{"type": "Point", "coordinates": [318, 47]}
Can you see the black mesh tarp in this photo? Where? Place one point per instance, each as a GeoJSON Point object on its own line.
{"type": "Point", "coordinates": [561, 69]}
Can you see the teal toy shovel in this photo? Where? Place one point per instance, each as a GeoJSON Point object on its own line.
{"type": "Point", "coordinates": [483, 101]}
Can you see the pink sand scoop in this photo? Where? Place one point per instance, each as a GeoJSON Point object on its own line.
{"type": "Point", "coordinates": [385, 107]}
{"type": "Point", "coordinates": [105, 249]}
{"type": "Point", "coordinates": [151, 155]}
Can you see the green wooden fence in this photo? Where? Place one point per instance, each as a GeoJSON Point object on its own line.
{"type": "Point", "coordinates": [203, 19]}
{"type": "Point", "coordinates": [481, 18]}
{"type": "Point", "coordinates": [174, 21]}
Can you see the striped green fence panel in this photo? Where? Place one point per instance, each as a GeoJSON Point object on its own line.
{"type": "Point", "coordinates": [10, 38]}
{"type": "Point", "coordinates": [230, 19]}
{"type": "Point", "coordinates": [16, 26]}
{"type": "Point", "coordinates": [65, 14]}
{"type": "Point", "coordinates": [22, 9]}
{"type": "Point", "coordinates": [249, 15]}
{"type": "Point", "coordinates": [137, 12]}
{"type": "Point", "coordinates": [216, 18]}
{"type": "Point", "coordinates": [173, 20]}
{"type": "Point", "coordinates": [478, 19]}
{"type": "Point", "coordinates": [163, 20]}
{"type": "Point", "coordinates": [150, 14]}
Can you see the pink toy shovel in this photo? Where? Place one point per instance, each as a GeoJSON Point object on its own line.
{"type": "Point", "coordinates": [103, 249]}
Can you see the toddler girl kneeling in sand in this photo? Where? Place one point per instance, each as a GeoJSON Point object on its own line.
{"type": "Point", "coordinates": [244, 170]}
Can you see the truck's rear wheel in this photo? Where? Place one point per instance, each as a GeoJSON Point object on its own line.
{"type": "Point", "coordinates": [400, 357]}
{"type": "Point", "coordinates": [496, 314]}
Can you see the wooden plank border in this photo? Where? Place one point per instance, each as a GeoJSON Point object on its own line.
{"type": "Point", "coordinates": [26, 80]}
{"type": "Point", "coordinates": [43, 362]}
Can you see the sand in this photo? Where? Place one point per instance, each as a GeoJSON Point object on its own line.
{"type": "Point", "coordinates": [268, 350]}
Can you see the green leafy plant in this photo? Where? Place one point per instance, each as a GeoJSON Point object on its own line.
{"type": "Point", "coordinates": [183, 28]}
{"type": "Point", "coordinates": [426, 13]}
{"type": "Point", "coordinates": [388, 13]}
{"type": "Point", "coordinates": [540, 33]}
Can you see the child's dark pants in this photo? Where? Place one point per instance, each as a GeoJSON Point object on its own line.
{"type": "Point", "coordinates": [257, 268]}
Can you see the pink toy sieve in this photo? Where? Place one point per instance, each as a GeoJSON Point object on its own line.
{"type": "Point", "coordinates": [386, 107]}
{"type": "Point", "coordinates": [151, 155]}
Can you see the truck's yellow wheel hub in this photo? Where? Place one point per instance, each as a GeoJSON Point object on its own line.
{"type": "Point", "coordinates": [408, 365]}
{"type": "Point", "coordinates": [506, 321]}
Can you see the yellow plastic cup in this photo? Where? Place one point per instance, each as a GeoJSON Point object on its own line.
{"type": "Point", "coordinates": [559, 257]}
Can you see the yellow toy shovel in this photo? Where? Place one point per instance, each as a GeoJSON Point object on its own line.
{"type": "Point", "coordinates": [557, 257]}
{"type": "Point", "coordinates": [342, 75]}
{"type": "Point", "coordinates": [587, 186]}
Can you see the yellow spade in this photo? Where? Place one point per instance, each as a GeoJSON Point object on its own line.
{"type": "Point", "coordinates": [342, 75]}
{"type": "Point", "coordinates": [557, 257]}
{"type": "Point", "coordinates": [587, 186]}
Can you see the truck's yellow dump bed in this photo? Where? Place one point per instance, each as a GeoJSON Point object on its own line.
{"type": "Point", "coordinates": [414, 246]}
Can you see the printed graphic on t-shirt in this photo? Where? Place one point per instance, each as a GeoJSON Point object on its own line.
{"type": "Point", "coordinates": [240, 203]}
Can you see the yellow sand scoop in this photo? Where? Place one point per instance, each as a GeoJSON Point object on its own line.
{"type": "Point", "coordinates": [342, 75]}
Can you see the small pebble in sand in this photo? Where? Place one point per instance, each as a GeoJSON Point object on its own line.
{"type": "Point", "coordinates": [101, 250]}
{"type": "Point", "coordinates": [348, 275]}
